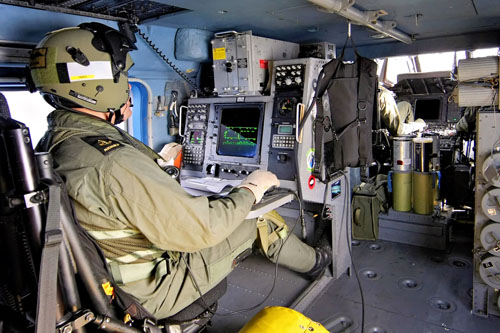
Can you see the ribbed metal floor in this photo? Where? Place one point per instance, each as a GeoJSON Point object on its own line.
{"type": "Point", "coordinates": [406, 289]}
{"type": "Point", "coordinates": [248, 285]}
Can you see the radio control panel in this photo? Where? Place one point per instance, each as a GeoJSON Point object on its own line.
{"type": "Point", "coordinates": [195, 134]}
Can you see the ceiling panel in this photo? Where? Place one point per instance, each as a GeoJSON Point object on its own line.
{"type": "Point", "coordinates": [431, 23]}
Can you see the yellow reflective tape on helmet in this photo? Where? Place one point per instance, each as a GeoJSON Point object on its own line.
{"type": "Point", "coordinates": [113, 234]}
{"type": "Point", "coordinates": [81, 77]}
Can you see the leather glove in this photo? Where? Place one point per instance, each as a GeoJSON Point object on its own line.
{"type": "Point", "coordinates": [258, 182]}
{"type": "Point", "coordinates": [169, 152]}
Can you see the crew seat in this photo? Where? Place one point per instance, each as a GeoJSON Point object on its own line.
{"type": "Point", "coordinates": [85, 296]}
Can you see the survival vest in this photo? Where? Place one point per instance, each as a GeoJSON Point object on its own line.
{"type": "Point", "coordinates": [343, 124]}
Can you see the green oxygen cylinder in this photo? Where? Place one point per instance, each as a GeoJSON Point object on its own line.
{"type": "Point", "coordinates": [401, 191]}
{"type": "Point", "coordinates": [423, 195]}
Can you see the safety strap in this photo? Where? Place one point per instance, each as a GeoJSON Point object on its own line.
{"type": "Point", "coordinates": [112, 234]}
{"type": "Point", "coordinates": [126, 273]}
{"type": "Point", "coordinates": [124, 270]}
{"type": "Point", "coordinates": [322, 124]}
{"type": "Point", "coordinates": [363, 101]}
{"type": "Point", "coordinates": [266, 238]}
{"type": "Point", "coordinates": [318, 138]}
{"type": "Point", "coordinates": [47, 284]}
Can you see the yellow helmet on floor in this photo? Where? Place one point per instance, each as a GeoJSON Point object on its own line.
{"type": "Point", "coordinates": [85, 66]}
{"type": "Point", "coordinates": [280, 319]}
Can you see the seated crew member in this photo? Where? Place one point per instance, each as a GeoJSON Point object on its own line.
{"type": "Point", "coordinates": [142, 218]}
{"type": "Point", "coordinates": [405, 112]}
{"type": "Point", "coordinates": [397, 118]}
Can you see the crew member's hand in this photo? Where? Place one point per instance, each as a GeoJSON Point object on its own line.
{"type": "Point", "coordinates": [169, 152]}
{"type": "Point", "coordinates": [258, 182]}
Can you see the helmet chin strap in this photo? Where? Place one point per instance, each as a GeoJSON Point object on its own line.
{"type": "Point", "coordinates": [118, 117]}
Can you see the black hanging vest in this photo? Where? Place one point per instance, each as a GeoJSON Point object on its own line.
{"type": "Point", "coordinates": [343, 125]}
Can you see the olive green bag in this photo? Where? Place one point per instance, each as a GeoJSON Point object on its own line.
{"type": "Point", "coordinates": [369, 199]}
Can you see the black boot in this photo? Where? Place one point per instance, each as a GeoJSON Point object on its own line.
{"type": "Point", "coordinates": [323, 259]}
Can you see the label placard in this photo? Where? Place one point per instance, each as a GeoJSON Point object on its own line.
{"type": "Point", "coordinates": [96, 70]}
{"type": "Point", "coordinates": [38, 58]}
{"type": "Point", "coordinates": [219, 53]}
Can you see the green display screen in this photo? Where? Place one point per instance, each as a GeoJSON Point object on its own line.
{"type": "Point", "coordinates": [285, 129]}
{"type": "Point", "coordinates": [239, 130]}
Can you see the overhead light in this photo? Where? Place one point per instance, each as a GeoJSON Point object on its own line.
{"type": "Point", "coordinates": [222, 11]}
{"type": "Point", "coordinates": [313, 29]}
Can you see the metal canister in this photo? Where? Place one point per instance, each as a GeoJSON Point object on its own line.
{"type": "Point", "coordinates": [435, 156]}
{"type": "Point", "coordinates": [422, 153]}
{"type": "Point", "coordinates": [402, 153]}
{"type": "Point", "coordinates": [435, 165]}
{"type": "Point", "coordinates": [401, 190]}
{"type": "Point", "coordinates": [423, 202]}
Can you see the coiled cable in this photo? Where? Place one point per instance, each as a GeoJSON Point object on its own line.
{"type": "Point", "coordinates": [168, 62]}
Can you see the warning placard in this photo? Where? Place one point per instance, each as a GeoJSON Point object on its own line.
{"type": "Point", "coordinates": [219, 53]}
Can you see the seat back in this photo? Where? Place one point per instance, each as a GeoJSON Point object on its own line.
{"type": "Point", "coordinates": [4, 107]}
{"type": "Point", "coordinates": [20, 224]}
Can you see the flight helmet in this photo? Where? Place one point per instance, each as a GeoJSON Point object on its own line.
{"type": "Point", "coordinates": [85, 66]}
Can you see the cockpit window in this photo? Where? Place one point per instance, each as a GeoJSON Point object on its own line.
{"type": "Point", "coordinates": [389, 68]}
{"type": "Point", "coordinates": [30, 109]}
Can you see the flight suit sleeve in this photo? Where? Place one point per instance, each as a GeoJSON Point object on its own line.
{"type": "Point", "coordinates": [389, 112]}
{"type": "Point", "coordinates": [145, 197]}
{"type": "Point", "coordinates": [405, 112]}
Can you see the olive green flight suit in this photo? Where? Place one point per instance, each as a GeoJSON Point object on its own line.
{"type": "Point", "coordinates": [144, 221]}
{"type": "Point", "coordinates": [406, 112]}
{"type": "Point", "coordinates": [395, 116]}
{"type": "Point", "coordinates": [389, 112]}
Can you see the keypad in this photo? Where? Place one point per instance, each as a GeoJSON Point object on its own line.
{"type": "Point", "coordinates": [283, 141]}
{"type": "Point", "coordinates": [194, 148]}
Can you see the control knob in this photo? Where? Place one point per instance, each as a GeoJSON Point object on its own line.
{"type": "Point", "coordinates": [288, 81]}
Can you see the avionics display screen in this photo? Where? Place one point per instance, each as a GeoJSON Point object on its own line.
{"type": "Point", "coordinates": [239, 130]}
{"type": "Point", "coordinates": [196, 137]}
{"type": "Point", "coordinates": [427, 109]}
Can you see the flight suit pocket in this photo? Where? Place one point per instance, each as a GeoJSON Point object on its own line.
{"type": "Point", "coordinates": [219, 269]}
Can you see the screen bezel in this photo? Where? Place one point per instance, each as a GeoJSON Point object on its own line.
{"type": "Point", "coordinates": [219, 108]}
